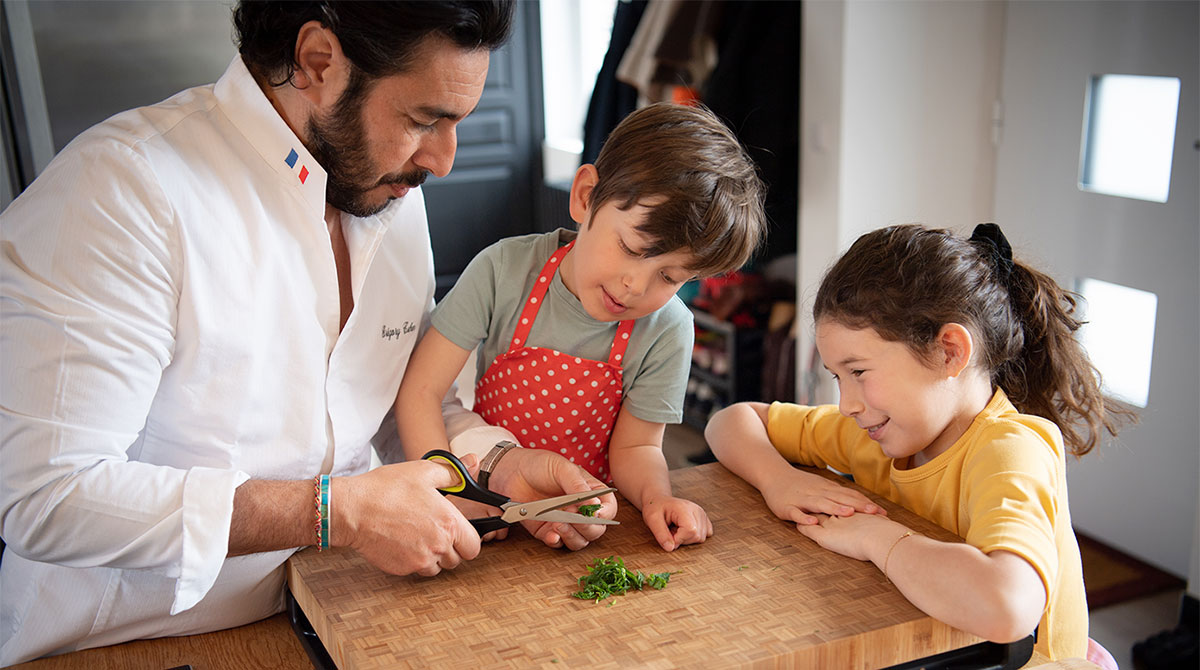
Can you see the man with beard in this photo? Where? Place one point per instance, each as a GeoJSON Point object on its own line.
{"type": "Point", "coordinates": [208, 305]}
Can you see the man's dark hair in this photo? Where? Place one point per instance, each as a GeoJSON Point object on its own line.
{"type": "Point", "coordinates": [379, 38]}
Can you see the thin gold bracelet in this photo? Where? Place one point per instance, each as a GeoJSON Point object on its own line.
{"type": "Point", "coordinates": [889, 554]}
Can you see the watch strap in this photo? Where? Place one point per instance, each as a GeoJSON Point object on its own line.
{"type": "Point", "coordinates": [488, 465]}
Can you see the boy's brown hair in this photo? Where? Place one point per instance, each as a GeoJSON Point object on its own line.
{"type": "Point", "coordinates": [711, 195]}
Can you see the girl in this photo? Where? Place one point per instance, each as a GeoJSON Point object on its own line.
{"type": "Point", "coordinates": [960, 382]}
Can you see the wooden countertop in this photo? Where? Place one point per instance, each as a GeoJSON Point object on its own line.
{"type": "Point", "coordinates": [269, 644]}
{"type": "Point", "coordinates": [756, 593]}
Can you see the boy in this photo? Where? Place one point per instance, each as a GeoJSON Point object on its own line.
{"type": "Point", "coordinates": [586, 347]}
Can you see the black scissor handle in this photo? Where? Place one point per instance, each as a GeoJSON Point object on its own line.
{"type": "Point", "coordinates": [467, 488]}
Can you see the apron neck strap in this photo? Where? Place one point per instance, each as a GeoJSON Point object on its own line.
{"type": "Point", "coordinates": [538, 294]}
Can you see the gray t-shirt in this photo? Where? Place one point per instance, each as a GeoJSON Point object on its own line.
{"type": "Point", "coordinates": [486, 302]}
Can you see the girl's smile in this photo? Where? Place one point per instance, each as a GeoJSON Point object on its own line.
{"type": "Point", "coordinates": [910, 406]}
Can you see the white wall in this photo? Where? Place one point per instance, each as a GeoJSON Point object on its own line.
{"type": "Point", "coordinates": [1140, 492]}
{"type": "Point", "coordinates": [896, 120]}
{"type": "Point", "coordinates": [896, 115]}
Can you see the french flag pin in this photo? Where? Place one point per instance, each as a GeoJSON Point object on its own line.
{"type": "Point", "coordinates": [291, 159]}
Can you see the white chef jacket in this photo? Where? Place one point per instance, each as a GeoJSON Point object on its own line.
{"type": "Point", "coordinates": [170, 328]}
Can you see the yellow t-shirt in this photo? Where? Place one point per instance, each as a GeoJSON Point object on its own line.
{"type": "Point", "coordinates": [1002, 485]}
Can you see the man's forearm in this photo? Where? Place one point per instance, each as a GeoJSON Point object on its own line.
{"type": "Point", "coordinates": [270, 515]}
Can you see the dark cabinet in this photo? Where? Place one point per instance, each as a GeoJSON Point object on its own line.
{"type": "Point", "coordinates": [726, 367]}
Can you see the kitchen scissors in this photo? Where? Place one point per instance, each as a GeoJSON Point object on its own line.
{"type": "Point", "coordinates": [514, 512]}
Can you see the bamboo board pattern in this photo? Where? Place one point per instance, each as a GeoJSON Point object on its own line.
{"type": "Point", "coordinates": [756, 594]}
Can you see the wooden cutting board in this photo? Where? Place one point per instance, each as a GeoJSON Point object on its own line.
{"type": "Point", "coordinates": [756, 594]}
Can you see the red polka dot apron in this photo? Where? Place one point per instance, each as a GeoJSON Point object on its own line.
{"type": "Point", "coordinates": [551, 400]}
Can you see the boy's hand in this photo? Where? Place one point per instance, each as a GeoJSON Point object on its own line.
{"type": "Point", "coordinates": [796, 495]}
{"type": "Point", "coordinates": [690, 522]}
{"type": "Point", "coordinates": [533, 474]}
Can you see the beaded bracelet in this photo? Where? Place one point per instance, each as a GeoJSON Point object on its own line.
{"type": "Point", "coordinates": [321, 501]}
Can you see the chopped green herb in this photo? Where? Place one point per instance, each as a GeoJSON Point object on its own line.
{"type": "Point", "coordinates": [588, 510]}
{"type": "Point", "coordinates": [609, 577]}
{"type": "Point", "coordinates": [741, 567]}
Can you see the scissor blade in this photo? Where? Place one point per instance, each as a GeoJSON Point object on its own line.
{"type": "Point", "coordinates": [561, 516]}
{"type": "Point", "coordinates": [536, 510]}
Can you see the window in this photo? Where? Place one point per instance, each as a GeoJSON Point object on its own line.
{"type": "Point", "coordinates": [1128, 136]}
{"type": "Point", "coordinates": [1119, 337]}
{"type": "Point", "coordinates": [575, 35]}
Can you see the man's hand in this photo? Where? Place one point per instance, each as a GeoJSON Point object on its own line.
{"type": "Point", "coordinates": [397, 519]}
{"type": "Point", "coordinates": [533, 474]}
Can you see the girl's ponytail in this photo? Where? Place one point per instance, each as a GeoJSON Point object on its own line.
{"type": "Point", "coordinates": [1051, 375]}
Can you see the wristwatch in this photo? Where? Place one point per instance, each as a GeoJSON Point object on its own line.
{"type": "Point", "coordinates": [489, 462]}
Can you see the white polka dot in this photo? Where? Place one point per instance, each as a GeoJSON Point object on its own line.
{"type": "Point", "coordinates": [533, 299]}
{"type": "Point", "coordinates": [516, 340]}
{"type": "Point", "coordinates": [571, 380]}
{"type": "Point", "coordinates": [553, 406]}
{"type": "Point", "coordinates": [580, 392]}
{"type": "Point", "coordinates": [625, 336]}
{"type": "Point", "coordinates": [542, 279]}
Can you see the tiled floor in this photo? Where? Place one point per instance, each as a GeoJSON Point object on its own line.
{"type": "Point", "coordinates": [1116, 627]}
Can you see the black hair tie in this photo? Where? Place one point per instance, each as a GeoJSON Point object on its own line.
{"type": "Point", "coordinates": [994, 246]}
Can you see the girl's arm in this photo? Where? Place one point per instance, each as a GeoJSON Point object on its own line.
{"type": "Point", "coordinates": [997, 596]}
{"type": "Point", "coordinates": [432, 368]}
{"type": "Point", "coordinates": [738, 438]}
{"type": "Point", "coordinates": [639, 471]}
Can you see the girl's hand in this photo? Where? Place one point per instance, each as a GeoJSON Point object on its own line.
{"type": "Point", "coordinates": [796, 495]}
{"type": "Point", "coordinates": [689, 521]}
{"type": "Point", "coordinates": [851, 535]}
